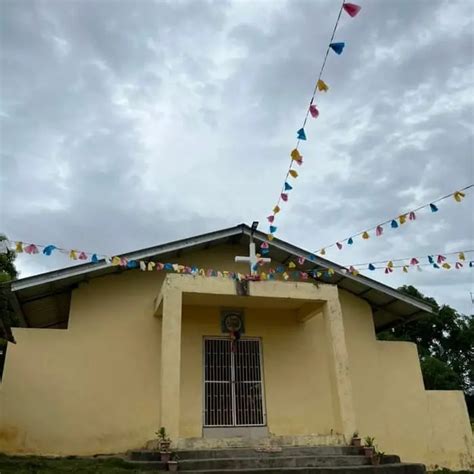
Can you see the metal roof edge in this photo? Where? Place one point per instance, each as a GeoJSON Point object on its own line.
{"type": "Point", "coordinates": [340, 270]}
{"type": "Point", "coordinates": [87, 268]}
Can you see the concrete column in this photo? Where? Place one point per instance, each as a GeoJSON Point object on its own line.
{"type": "Point", "coordinates": [340, 365]}
{"type": "Point", "coordinates": [171, 359]}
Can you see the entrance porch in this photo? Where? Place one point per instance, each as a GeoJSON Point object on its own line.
{"type": "Point", "coordinates": [290, 379]}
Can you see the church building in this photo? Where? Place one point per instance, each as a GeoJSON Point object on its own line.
{"type": "Point", "coordinates": [107, 354]}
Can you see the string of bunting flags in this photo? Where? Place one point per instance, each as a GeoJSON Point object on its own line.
{"type": "Point", "coordinates": [393, 223]}
{"type": "Point", "coordinates": [290, 270]}
{"type": "Point", "coordinates": [295, 156]}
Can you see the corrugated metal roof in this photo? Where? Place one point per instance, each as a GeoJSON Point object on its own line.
{"type": "Point", "coordinates": [43, 299]}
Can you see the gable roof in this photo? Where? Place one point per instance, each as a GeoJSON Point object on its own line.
{"type": "Point", "coordinates": [43, 300]}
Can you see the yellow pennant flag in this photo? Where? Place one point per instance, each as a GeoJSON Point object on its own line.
{"type": "Point", "coordinates": [405, 268]}
{"type": "Point", "coordinates": [151, 266]}
{"type": "Point", "coordinates": [322, 252]}
{"type": "Point", "coordinates": [318, 274]}
{"type": "Point", "coordinates": [458, 195]}
{"type": "Point", "coordinates": [115, 260]}
{"type": "Point", "coordinates": [446, 265]}
{"type": "Point", "coordinates": [322, 86]}
{"type": "Point", "coordinates": [270, 237]}
{"type": "Point", "coordinates": [276, 209]}
{"type": "Point", "coordinates": [390, 264]}
{"type": "Point", "coordinates": [461, 256]}
{"type": "Point", "coordinates": [403, 218]}
{"type": "Point", "coordinates": [291, 265]}
{"type": "Point", "coordinates": [73, 255]}
{"type": "Point", "coordinates": [293, 173]}
{"type": "Point", "coordinates": [365, 235]}
{"type": "Point", "coordinates": [295, 155]}
{"type": "Point", "coordinates": [331, 271]}
{"type": "Point", "coordinates": [263, 276]}
{"type": "Point", "coordinates": [19, 247]}
{"type": "Point", "coordinates": [285, 275]}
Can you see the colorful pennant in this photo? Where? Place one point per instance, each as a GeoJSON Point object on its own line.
{"type": "Point", "coordinates": [395, 223]}
{"type": "Point", "coordinates": [338, 47]}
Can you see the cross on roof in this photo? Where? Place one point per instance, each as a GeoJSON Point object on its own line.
{"type": "Point", "coordinates": [252, 259]}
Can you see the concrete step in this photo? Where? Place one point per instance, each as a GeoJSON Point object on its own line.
{"type": "Point", "coordinates": [271, 462]}
{"type": "Point", "coordinates": [397, 468]}
{"type": "Point", "coordinates": [149, 455]}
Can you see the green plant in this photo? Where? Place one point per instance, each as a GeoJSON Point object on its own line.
{"type": "Point", "coordinates": [356, 434]}
{"type": "Point", "coordinates": [369, 441]}
{"type": "Point", "coordinates": [162, 435]}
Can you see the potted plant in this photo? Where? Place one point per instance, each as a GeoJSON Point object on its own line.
{"type": "Point", "coordinates": [173, 463]}
{"type": "Point", "coordinates": [377, 458]}
{"type": "Point", "coordinates": [356, 441]}
{"type": "Point", "coordinates": [369, 447]}
{"type": "Point", "coordinates": [164, 444]}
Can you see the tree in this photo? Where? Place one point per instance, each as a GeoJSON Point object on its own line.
{"type": "Point", "coordinates": [445, 346]}
{"type": "Point", "coordinates": [8, 272]}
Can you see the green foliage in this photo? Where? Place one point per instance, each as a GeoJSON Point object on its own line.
{"type": "Point", "coordinates": [369, 441]}
{"type": "Point", "coordinates": [70, 464]}
{"type": "Point", "coordinates": [445, 345]}
{"type": "Point", "coordinates": [7, 264]}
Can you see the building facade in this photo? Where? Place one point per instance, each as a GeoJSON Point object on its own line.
{"type": "Point", "coordinates": [108, 355]}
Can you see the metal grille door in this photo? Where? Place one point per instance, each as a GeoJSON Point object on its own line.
{"type": "Point", "coordinates": [233, 389]}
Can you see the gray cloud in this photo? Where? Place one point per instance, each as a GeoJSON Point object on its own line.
{"type": "Point", "coordinates": [126, 124]}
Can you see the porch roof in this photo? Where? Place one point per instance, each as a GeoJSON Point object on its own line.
{"type": "Point", "coordinates": [43, 300]}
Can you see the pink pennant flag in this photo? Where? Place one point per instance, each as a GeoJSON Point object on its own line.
{"type": "Point", "coordinates": [379, 231]}
{"type": "Point", "coordinates": [458, 265]}
{"type": "Point", "coordinates": [304, 275]}
{"type": "Point", "coordinates": [82, 256]}
{"type": "Point", "coordinates": [414, 261]}
{"type": "Point", "coordinates": [351, 9]}
{"type": "Point", "coordinates": [412, 216]}
{"type": "Point", "coordinates": [313, 111]}
{"type": "Point", "coordinates": [271, 218]}
{"type": "Point", "coordinates": [388, 270]}
{"type": "Point", "coordinates": [301, 260]}
{"type": "Point", "coordinates": [265, 245]}
{"type": "Point", "coordinates": [441, 258]}
{"type": "Point", "coordinates": [31, 249]}
{"type": "Point", "coordinates": [339, 245]}
{"type": "Point", "coordinates": [284, 196]}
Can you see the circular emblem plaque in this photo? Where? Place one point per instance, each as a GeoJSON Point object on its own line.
{"type": "Point", "coordinates": [233, 322]}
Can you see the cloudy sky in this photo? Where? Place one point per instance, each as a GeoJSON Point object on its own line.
{"type": "Point", "coordinates": [126, 124]}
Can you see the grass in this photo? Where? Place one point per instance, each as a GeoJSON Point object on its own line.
{"type": "Point", "coordinates": [71, 464]}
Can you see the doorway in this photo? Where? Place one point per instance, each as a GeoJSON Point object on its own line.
{"type": "Point", "coordinates": [233, 383]}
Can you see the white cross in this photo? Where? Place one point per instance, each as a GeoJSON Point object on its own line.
{"type": "Point", "coordinates": [252, 259]}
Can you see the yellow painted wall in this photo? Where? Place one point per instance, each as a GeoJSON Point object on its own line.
{"type": "Point", "coordinates": [391, 403]}
{"type": "Point", "coordinates": [95, 387]}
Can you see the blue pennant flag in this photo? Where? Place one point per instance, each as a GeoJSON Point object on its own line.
{"type": "Point", "coordinates": [430, 259]}
{"type": "Point", "coordinates": [433, 208]}
{"type": "Point", "coordinates": [300, 134]}
{"type": "Point", "coordinates": [132, 264]}
{"type": "Point", "coordinates": [48, 250]}
{"type": "Point", "coordinates": [312, 257]}
{"type": "Point", "coordinates": [471, 264]}
{"type": "Point", "coordinates": [371, 267]}
{"type": "Point", "coordinates": [273, 229]}
{"type": "Point", "coordinates": [94, 258]}
{"type": "Point", "coordinates": [394, 224]}
{"type": "Point", "coordinates": [265, 251]}
{"type": "Point", "coordinates": [337, 47]}
{"type": "Point", "coordinates": [435, 266]}
{"type": "Point", "coordinates": [350, 241]}
{"type": "Point", "coordinates": [168, 266]}
{"type": "Point", "coordinates": [288, 187]}
{"type": "Point", "coordinates": [280, 269]}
